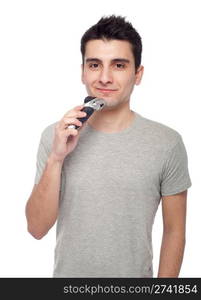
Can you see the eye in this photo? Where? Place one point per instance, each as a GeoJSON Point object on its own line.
{"type": "Point", "coordinates": [120, 66]}
{"type": "Point", "coordinates": [93, 66]}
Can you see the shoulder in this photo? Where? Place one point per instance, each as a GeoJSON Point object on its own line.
{"type": "Point", "coordinates": [47, 134]}
{"type": "Point", "coordinates": [158, 133]}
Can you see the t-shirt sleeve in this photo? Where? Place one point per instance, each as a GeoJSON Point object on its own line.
{"type": "Point", "coordinates": [42, 156]}
{"type": "Point", "coordinates": [175, 173]}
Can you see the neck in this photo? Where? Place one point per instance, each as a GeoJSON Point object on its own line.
{"type": "Point", "coordinates": [112, 120]}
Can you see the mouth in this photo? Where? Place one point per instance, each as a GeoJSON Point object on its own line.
{"type": "Point", "coordinates": [106, 90]}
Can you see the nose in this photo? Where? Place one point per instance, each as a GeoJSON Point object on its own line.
{"type": "Point", "coordinates": [105, 76]}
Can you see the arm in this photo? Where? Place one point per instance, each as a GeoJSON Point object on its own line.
{"type": "Point", "coordinates": [42, 206]}
{"type": "Point", "coordinates": [173, 241]}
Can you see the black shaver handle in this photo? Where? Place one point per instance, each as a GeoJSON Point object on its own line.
{"type": "Point", "coordinates": [89, 111]}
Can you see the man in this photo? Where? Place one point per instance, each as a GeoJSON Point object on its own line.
{"type": "Point", "coordinates": [103, 183]}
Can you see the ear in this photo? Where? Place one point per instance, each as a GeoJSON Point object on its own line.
{"type": "Point", "coordinates": [82, 73]}
{"type": "Point", "coordinates": [139, 74]}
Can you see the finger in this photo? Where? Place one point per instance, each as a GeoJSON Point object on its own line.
{"type": "Point", "coordinates": [71, 121]}
{"type": "Point", "coordinates": [70, 131]}
{"type": "Point", "coordinates": [75, 109]}
{"type": "Point", "coordinates": [79, 107]}
{"type": "Point", "coordinates": [75, 114]}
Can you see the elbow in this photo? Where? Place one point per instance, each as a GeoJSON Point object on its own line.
{"type": "Point", "coordinates": [171, 230]}
{"type": "Point", "coordinates": [178, 235]}
{"type": "Point", "coordinates": [34, 229]}
{"type": "Point", "coordinates": [36, 234]}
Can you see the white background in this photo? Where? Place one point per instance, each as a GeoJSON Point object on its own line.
{"type": "Point", "coordinates": [40, 81]}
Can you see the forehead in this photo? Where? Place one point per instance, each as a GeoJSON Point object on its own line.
{"type": "Point", "coordinates": [108, 49]}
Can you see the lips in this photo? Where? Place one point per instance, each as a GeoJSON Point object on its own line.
{"type": "Point", "coordinates": [106, 90]}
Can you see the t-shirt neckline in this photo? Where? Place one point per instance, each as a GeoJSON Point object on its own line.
{"type": "Point", "coordinates": [118, 133]}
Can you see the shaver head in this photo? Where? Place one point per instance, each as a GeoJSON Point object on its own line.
{"type": "Point", "coordinates": [88, 98]}
{"type": "Point", "coordinates": [95, 103]}
{"type": "Point", "coordinates": [91, 104]}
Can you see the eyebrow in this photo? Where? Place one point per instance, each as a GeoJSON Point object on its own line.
{"type": "Point", "coordinates": [94, 59]}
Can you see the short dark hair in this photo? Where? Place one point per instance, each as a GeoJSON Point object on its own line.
{"type": "Point", "coordinates": [114, 28]}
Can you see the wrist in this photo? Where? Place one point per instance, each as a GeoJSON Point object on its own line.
{"type": "Point", "coordinates": [52, 159]}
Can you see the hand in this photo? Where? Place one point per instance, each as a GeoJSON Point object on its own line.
{"type": "Point", "coordinates": [65, 139]}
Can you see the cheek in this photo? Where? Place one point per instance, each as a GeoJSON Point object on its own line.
{"type": "Point", "coordinates": [127, 82]}
{"type": "Point", "coordinates": [89, 77]}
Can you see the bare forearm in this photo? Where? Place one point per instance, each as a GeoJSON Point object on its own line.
{"type": "Point", "coordinates": [42, 206]}
{"type": "Point", "coordinates": [171, 255]}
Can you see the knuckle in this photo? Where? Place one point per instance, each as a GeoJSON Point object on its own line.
{"type": "Point", "coordinates": [65, 120]}
{"type": "Point", "coordinates": [66, 114]}
{"type": "Point", "coordinates": [73, 130]}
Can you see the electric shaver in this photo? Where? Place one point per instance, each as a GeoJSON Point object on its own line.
{"type": "Point", "coordinates": [91, 104]}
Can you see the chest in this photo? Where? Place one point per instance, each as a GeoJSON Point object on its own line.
{"type": "Point", "coordinates": [122, 166]}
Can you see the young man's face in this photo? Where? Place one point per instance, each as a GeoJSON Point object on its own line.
{"type": "Point", "coordinates": [109, 70]}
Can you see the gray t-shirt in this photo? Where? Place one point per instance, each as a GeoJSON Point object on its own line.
{"type": "Point", "coordinates": [111, 186]}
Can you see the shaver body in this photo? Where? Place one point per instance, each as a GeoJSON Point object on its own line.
{"type": "Point", "coordinates": [91, 104]}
